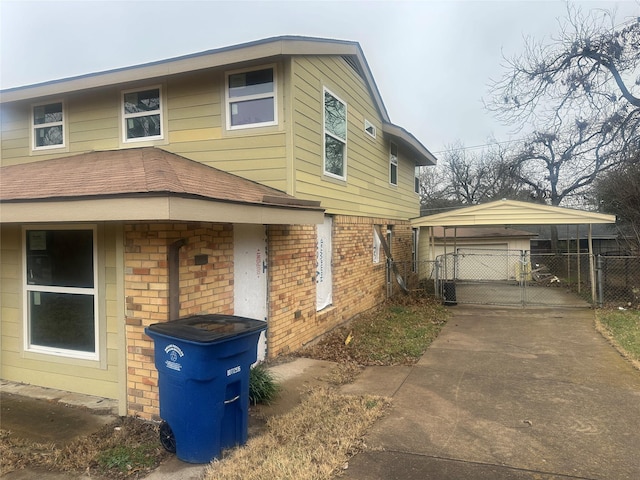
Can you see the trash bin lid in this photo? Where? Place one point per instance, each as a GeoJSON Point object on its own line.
{"type": "Point", "coordinates": [208, 328]}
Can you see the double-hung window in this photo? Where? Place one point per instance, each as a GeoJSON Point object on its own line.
{"type": "Point", "coordinates": [251, 98]}
{"type": "Point", "coordinates": [61, 296]}
{"type": "Point", "coordinates": [48, 126]}
{"type": "Point", "coordinates": [335, 136]}
{"type": "Point", "coordinates": [393, 164]}
{"type": "Point", "coordinates": [142, 114]}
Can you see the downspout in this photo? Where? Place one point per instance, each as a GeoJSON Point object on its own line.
{"type": "Point", "coordinates": [174, 278]}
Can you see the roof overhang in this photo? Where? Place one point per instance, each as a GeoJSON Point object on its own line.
{"type": "Point", "coordinates": [245, 52]}
{"type": "Point", "coordinates": [511, 212]}
{"type": "Point", "coordinates": [422, 155]}
{"type": "Point", "coordinates": [142, 184]}
{"type": "Point", "coordinates": [155, 208]}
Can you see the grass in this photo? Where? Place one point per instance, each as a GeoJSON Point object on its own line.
{"type": "Point", "coordinates": [393, 334]}
{"type": "Point", "coordinates": [622, 327]}
{"type": "Point", "coordinates": [311, 442]}
{"type": "Point", "coordinates": [263, 387]}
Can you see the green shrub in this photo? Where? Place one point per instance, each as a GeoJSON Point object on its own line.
{"type": "Point", "coordinates": [263, 387]}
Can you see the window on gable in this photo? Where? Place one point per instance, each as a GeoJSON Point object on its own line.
{"type": "Point", "coordinates": [251, 98]}
{"type": "Point", "coordinates": [370, 128]}
{"type": "Point", "coordinates": [48, 126]}
{"type": "Point", "coordinates": [335, 135]}
{"type": "Point", "coordinates": [60, 289]}
{"type": "Point", "coordinates": [393, 164]}
{"type": "Point", "coordinates": [142, 114]}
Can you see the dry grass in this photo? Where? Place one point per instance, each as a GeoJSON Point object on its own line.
{"type": "Point", "coordinates": [310, 442]}
{"type": "Point", "coordinates": [127, 448]}
{"type": "Point", "coordinates": [396, 333]}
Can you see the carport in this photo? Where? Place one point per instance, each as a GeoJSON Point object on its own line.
{"type": "Point", "coordinates": [505, 213]}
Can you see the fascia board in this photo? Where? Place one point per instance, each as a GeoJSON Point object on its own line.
{"type": "Point", "coordinates": [155, 209]}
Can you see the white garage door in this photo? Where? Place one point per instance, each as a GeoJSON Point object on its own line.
{"type": "Point", "coordinates": [483, 262]}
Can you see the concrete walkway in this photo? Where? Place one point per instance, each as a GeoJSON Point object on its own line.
{"type": "Point", "coordinates": [507, 394]}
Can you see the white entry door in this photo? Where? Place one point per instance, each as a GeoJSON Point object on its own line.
{"type": "Point", "coordinates": [250, 276]}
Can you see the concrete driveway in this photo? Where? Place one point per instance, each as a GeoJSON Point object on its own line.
{"type": "Point", "coordinates": [507, 394]}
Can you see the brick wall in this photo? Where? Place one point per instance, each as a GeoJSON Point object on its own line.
{"type": "Point", "coordinates": [203, 289]}
{"type": "Point", "coordinates": [358, 283]}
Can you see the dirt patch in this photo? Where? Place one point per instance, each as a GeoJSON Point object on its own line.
{"type": "Point", "coordinates": [125, 448]}
{"type": "Point", "coordinates": [47, 421]}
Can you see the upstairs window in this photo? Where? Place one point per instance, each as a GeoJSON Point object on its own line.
{"type": "Point", "coordinates": [335, 136]}
{"type": "Point", "coordinates": [251, 99]}
{"type": "Point", "coordinates": [416, 180]}
{"type": "Point", "coordinates": [142, 114]}
{"type": "Point", "coordinates": [393, 164]}
{"type": "Point", "coordinates": [48, 126]}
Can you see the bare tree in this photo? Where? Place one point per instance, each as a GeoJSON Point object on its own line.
{"type": "Point", "coordinates": [618, 192]}
{"type": "Point", "coordinates": [465, 177]}
{"type": "Point", "coordinates": [589, 73]}
{"type": "Point", "coordinates": [558, 166]}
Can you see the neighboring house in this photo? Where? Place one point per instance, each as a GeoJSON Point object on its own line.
{"type": "Point", "coordinates": [248, 180]}
{"type": "Point", "coordinates": [607, 239]}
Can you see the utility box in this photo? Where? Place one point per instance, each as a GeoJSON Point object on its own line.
{"type": "Point", "coordinates": [203, 365]}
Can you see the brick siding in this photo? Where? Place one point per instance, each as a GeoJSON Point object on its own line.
{"type": "Point", "coordinates": [203, 289]}
{"type": "Point", "coordinates": [358, 285]}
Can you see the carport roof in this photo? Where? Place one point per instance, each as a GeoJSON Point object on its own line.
{"type": "Point", "coordinates": [511, 212]}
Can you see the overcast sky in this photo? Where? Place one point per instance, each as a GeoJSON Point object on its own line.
{"type": "Point", "coordinates": [432, 60]}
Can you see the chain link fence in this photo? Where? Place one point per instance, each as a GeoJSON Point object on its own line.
{"type": "Point", "coordinates": [525, 278]}
{"type": "Point", "coordinates": [618, 280]}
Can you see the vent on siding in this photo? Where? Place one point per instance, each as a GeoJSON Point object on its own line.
{"type": "Point", "coordinates": [353, 64]}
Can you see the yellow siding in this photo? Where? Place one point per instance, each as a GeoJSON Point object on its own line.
{"type": "Point", "coordinates": [82, 376]}
{"type": "Point", "coordinates": [198, 131]}
{"type": "Point", "coordinates": [194, 122]}
{"type": "Point", "coordinates": [366, 191]}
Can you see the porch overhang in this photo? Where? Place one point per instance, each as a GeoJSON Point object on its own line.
{"type": "Point", "coordinates": [142, 184]}
{"type": "Point", "coordinates": [155, 209]}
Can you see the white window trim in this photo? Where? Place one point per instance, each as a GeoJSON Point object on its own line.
{"type": "Point", "coordinates": [126, 116]}
{"type": "Point", "coordinates": [325, 133]}
{"type": "Point", "coordinates": [370, 128]}
{"type": "Point", "coordinates": [60, 352]}
{"type": "Point", "coordinates": [377, 246]}
{"type": "Point", "coordinates": [63, 123]}
{"type": "Point", "coordinates": [228, 100]}
{"type": "Point", "coordinates": [393, 162]}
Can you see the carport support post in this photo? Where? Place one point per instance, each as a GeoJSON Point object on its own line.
{"type": "Point", "coordinates": [592, 272]}
{"type": "Point", "coordinates": [600, 284]}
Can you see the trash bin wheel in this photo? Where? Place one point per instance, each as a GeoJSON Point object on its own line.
{"type": "Point", "coordinates": [167, 439]}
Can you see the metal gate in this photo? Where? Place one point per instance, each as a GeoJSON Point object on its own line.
{"type": "Point", "coordinates": [508, 277]}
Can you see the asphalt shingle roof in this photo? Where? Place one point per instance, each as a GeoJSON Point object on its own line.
{"type": "Point", "coordinates": [133, 172]}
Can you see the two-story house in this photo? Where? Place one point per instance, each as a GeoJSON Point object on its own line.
{"type": "Point", "coordinates": [248, 180]}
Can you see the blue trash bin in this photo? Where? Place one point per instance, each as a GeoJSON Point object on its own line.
{"type": "Point", "coordinates": [203, 365]}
